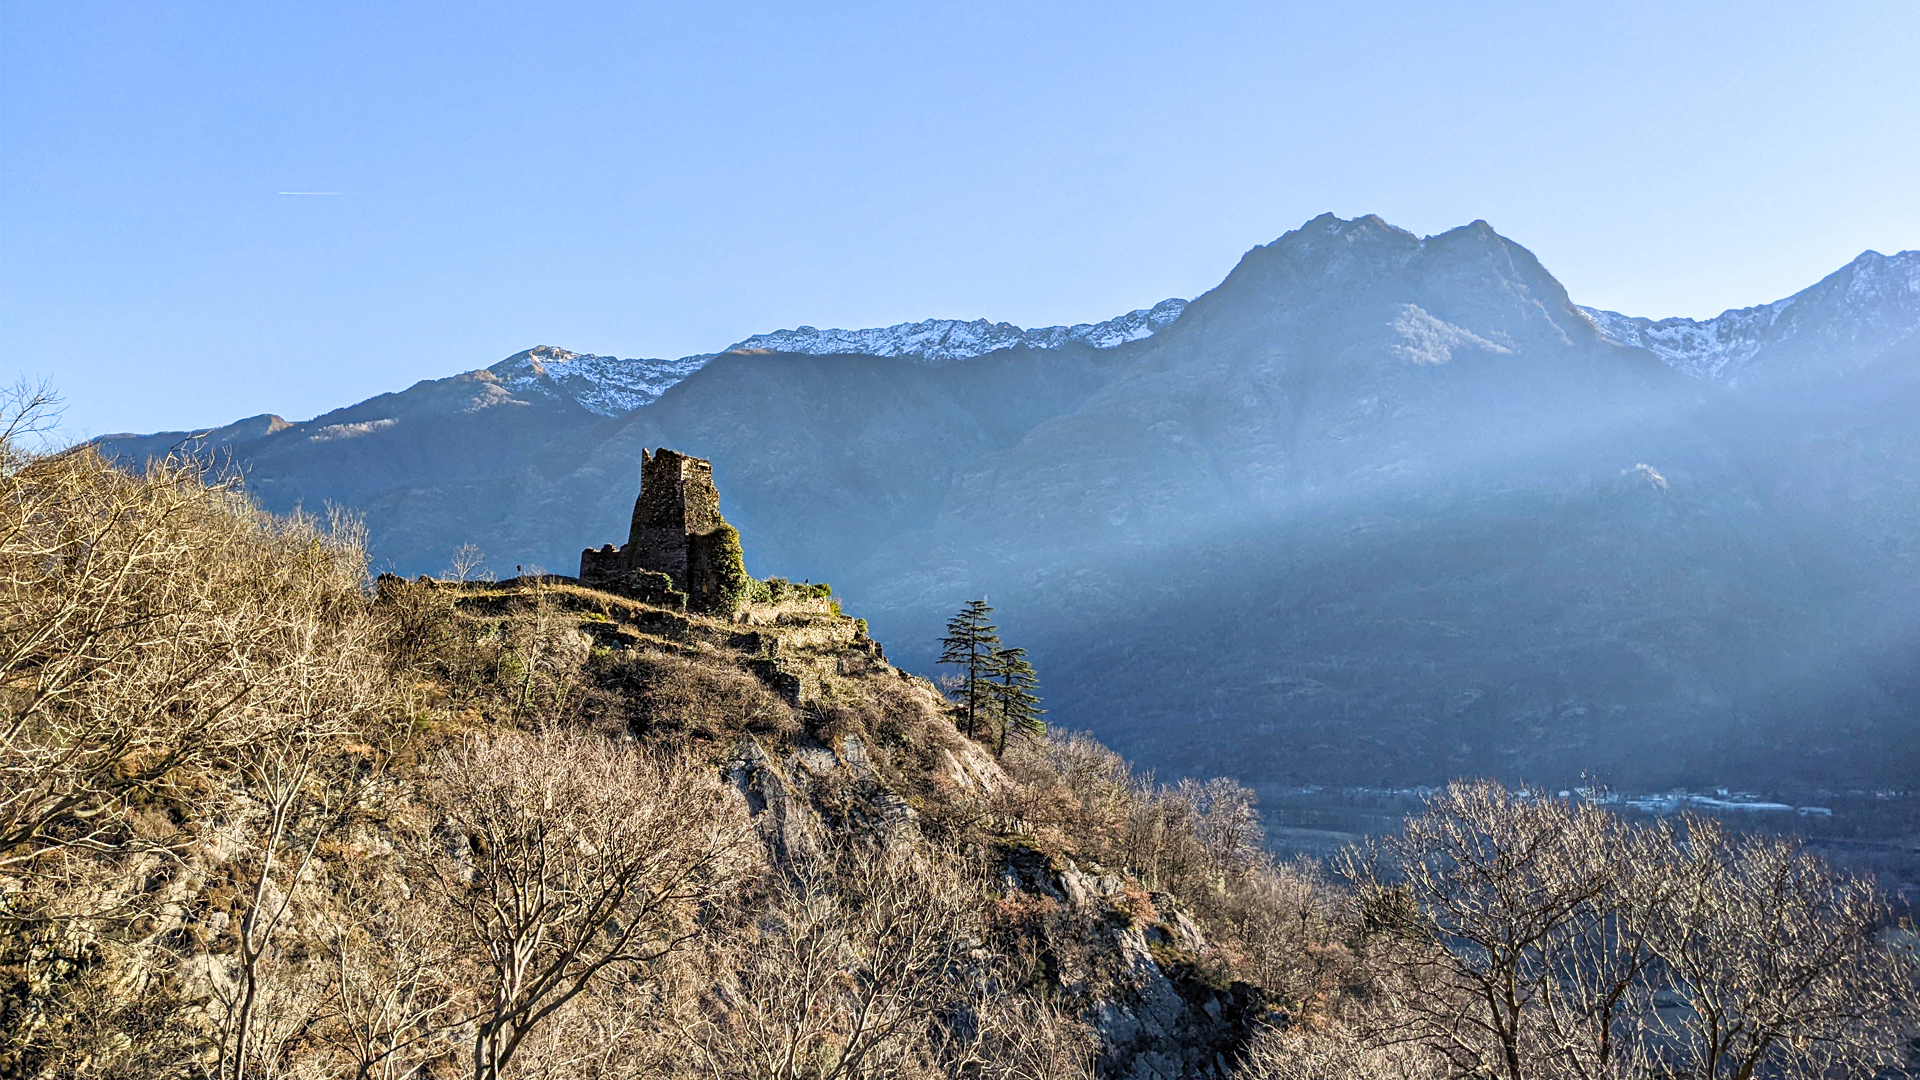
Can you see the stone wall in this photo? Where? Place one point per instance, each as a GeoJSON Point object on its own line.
{"type": "Point", "coordinates": [600, 566]}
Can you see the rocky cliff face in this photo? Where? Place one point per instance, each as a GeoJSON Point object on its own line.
{"type": "Point", "coordinates": [1131, 971]}
{"type": "Point", "coordinates": [860, 752]}
{"type": "Point", "coordinates": [1379, 508]}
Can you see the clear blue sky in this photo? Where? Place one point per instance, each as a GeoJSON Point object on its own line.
{"type": "Point", "coordinates": [662, 179]}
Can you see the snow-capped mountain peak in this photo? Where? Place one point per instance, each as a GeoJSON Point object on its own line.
{"type": "Point", "coordinates": [1880, 277]}
{"type": "Point", "coordinates": [605, 385]}
{"type": "Point", "coordinates": [1876, 295]}
{"type": "Point", "coordinates": [941, 340]}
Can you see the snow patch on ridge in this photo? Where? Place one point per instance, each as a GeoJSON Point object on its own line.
{"type": "Point", "coordinates": [1426, 339]}
{"type": "Point", "coordinates": [1705, 349]}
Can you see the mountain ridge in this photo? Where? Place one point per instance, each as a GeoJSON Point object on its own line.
{"type": "Point", "coordinates": [608, 386]}
{"type": "Point", "coordinates": [1724, 346]}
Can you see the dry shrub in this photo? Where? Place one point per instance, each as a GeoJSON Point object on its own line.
{"type": "Point", "coordinates": [659, 692]}
{"type": "Point", "coordinates": [998, 1035]}
{"type": "Point", "coordinates": [896, 712]}
{"type": "Point", "coordinates": [1285, 928]}
{"type": "Point", "coordinates": [576, 859]}
{"type": "Point", "coordinates": [1336, 1052]}
{"type": "Point", "coordinates": [422, 632]}
{"type": "Point", "coordinates": [163, 646]}
{"type": "Point", "coordinates": [1194, 840]}
{"type": "Point", "coordinates": [514, 657]}
{"type": "Point", "coordinates": [829, 720]}
{"type": "Point", "coordinates": [540, 667]}
{"type": "Point", "coordinates": [867, 963]}
{"type": "Point", "coordinates": [889, 715]}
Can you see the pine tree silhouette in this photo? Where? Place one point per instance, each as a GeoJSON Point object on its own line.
{"type": "Point", "coordinates": [971, 642]}
{"type": "Point", "coordinates": [1011, 683]}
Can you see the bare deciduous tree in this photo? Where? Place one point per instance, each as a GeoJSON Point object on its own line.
{"type": "Point", "coordinates": [157, 634]}
{"type": "Point", "coordinates": [1773, 964]}
{"type": "Point", "coordinates": [585, 858]}
{"type": "Point", "coordinates": [1523, 937]}
{"type": "Point", "coordinates": [469, 564]}
{"type": "Point", "coordinates": [294, 788]}
{"type": "Point", "coordinates": [291, 785]}
{"type": "Point", "coordinates": [1484, 889]}
{"type": "Point", "coordinates": [396, 998]}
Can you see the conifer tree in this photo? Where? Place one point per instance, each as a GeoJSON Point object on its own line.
{"type": "Point", "coordinates": [971, 642]}
{"type": "Point", "coordinates": [1011, 683]}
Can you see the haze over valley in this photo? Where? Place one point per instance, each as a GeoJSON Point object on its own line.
{"type": "Point", "coordinates": [1376, 511]}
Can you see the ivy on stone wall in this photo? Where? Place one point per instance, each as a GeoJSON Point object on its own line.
{"type": "Point", "coordinates": [727, 584]}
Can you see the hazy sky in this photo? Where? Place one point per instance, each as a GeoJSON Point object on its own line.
{"type": "Point", "coordinates": [663, 179]}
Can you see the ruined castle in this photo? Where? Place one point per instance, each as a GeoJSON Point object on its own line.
{"type": "Point", "coordinates": [679, 549]}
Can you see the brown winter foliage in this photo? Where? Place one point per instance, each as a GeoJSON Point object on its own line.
{"type": "Point", "coordinates": [1512, 936]}
{"type": "Point", "coordinates": [262, 817]}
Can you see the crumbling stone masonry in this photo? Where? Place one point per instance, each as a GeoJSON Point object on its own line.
{"type": "Point", "coordinates": [675, 521]}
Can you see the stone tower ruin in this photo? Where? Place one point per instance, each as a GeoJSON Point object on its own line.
{"type": "Point", "coordinates": [674, 521]}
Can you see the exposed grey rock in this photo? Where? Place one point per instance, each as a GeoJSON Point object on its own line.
{"type": "Point", "coordinates": [1148, 1023]}
{"type": "Point", "coordinates": [779, 809]}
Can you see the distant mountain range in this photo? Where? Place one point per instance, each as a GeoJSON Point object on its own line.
{"type": "Point", "coordinates": [610, 386]}
{"type": "Point", "coordinates": [1378, 509]}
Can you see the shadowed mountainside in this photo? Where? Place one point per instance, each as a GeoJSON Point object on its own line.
{"type": "Point", "coordinates": [1377, 509]}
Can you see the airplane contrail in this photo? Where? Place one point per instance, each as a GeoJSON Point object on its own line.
{"type": "Point", "coordinates": [310, 193]}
